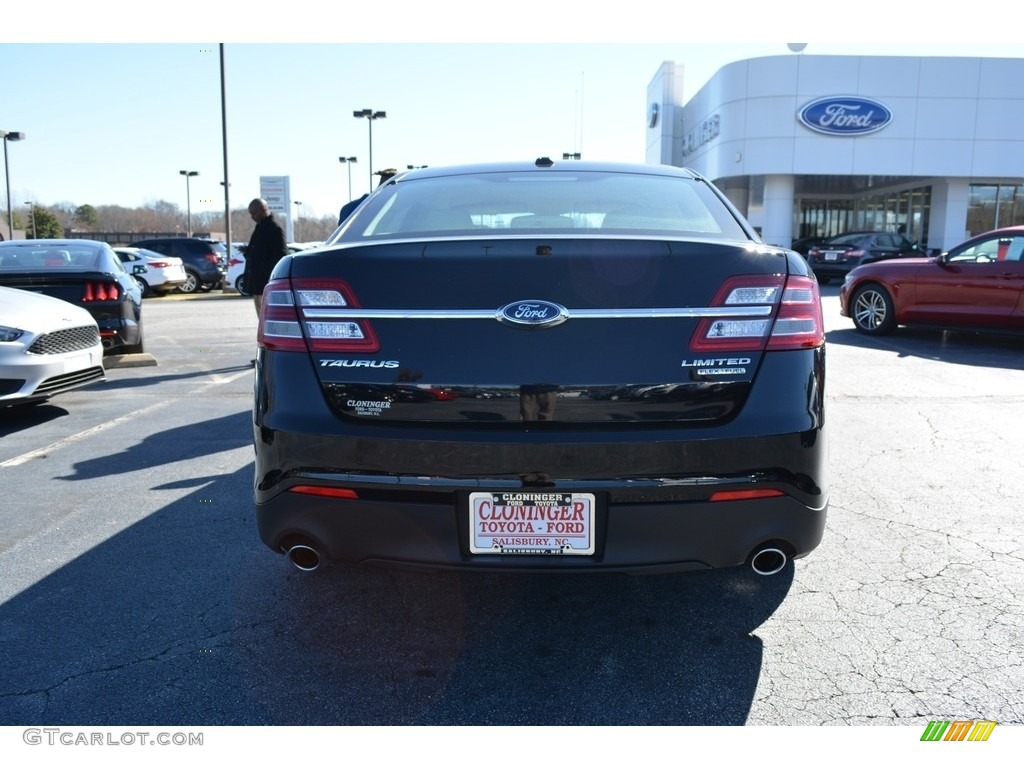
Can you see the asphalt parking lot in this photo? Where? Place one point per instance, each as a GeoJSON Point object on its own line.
{"type": "Point", "coordinates": [134, 589]}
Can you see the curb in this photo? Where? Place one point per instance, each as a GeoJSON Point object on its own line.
{"type": "Point", "coordinates": [140, 360]}
{"type": "Point", "coordinates": [198, 296]}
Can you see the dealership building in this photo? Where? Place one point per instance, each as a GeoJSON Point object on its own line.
{"type": "Point", "coordinates": [805, 145]}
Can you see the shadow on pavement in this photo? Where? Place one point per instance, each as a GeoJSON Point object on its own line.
{"type": "Point", "coordinates": [185, 618]}
{"type": "Point", "coordinates": [989, 350]}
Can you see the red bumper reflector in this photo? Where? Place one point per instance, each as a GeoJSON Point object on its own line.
{"type": "Point", "coordinates": [745, 495]}
{"type": "Point", "coordinates": [318, 490]}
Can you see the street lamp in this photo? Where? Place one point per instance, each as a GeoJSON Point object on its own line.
{"type": "Point", "coordinates": [413, 167]}
{"type": "Point", "coordinates": [572, 156]}
{"type": "Point", "coordinates": [297, 209]}
{"type": "Point", "coordinates": [188, 198]}
{"type": "Point", "coordinates": [370, 116]}
{"type": "Point", "coordinates": [9, 136]}
{"type": "Point", "coordinates": [348, 162]}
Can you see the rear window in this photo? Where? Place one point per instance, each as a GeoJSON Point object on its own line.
{"type": "Point", "coordinates": [19, 257]}
{"type": "Point", "coordinates": [853, 239]}
{"type": "Point", "coordinates": [217, 246]}
{"type": "Point", "coordinates": [569, 202]}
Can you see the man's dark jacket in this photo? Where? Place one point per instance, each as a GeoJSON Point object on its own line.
{"type": "Point", "coordinates": [348, 207]}
{"type": "Point", "coordinates": [266, 247]}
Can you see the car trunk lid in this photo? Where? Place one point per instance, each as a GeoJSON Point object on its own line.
{"type": "Point", "coordinates": [503, 331]}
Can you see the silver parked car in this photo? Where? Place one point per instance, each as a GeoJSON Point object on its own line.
{"type": "Point", "coordinates": [47, 346]}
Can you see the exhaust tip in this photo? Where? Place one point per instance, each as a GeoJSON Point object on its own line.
{"type": "Point", "coordinates": [304, 557]}
{"type": "Point", "coordinates": [768, 561]}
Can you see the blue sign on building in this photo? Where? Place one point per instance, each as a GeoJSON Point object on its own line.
{"type": "Point", "coordinates": [845, 115]}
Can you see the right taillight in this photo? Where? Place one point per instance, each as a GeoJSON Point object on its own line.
{"type": "Point", "coordinates": [798, 322]}
{"type": "Point", "coordinates": [313, 315]}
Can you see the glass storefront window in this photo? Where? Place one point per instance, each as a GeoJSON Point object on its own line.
{"type": "Point", "coordinates": [990, 206]}
{"type": "Point", "coordinates": [905, 212]}
{"type": "Point", "coordinates": [981, 208]}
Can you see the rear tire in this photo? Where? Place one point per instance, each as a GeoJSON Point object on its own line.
{"type": "Point", "coordinates": [240, 285]}
{"type": "Point", "coordinates": [192, 282]}
{"type": "Point", "coordinates": [143, 286]}
{"type": "Point", "coordinates": [872, 310]}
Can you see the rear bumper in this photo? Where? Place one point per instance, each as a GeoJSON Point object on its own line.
{"type": "Point", "coordinates": [831, 271]}
{"type": "Point", "coordinates": [207, 272]}
{"type": "Point", "coordinates": [117, 333]}
{"type": "Point", "coordinates": [630, 537]}
{"type": "Point", "coordinates": [653, 487]}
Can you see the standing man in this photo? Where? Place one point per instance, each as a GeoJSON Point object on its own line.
{"type": "Point", "coordinates": [266, 247]}
{"type": "Point", "coordinates": [347, 208]}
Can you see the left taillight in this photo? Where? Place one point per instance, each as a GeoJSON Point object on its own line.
{"type": "Point", "coordinates": [309, 314]}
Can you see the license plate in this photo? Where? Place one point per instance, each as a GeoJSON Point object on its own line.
{"type": "Point", "coordinates": [531, 523]}
{"type": "Point", "coordinates": [832, 255]}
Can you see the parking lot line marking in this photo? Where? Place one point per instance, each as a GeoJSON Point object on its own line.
{"type": "Point", "coordinates": [40, 452]}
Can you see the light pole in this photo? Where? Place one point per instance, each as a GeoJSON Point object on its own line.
{"type": "Point", "coordinates": [348, 162]}
{"type": "Point", "coordinates": [370, 116]}
{"type": "Point", "coordinates": [188, 199]}
{"type": "Point", "coordinates": [9, 136]}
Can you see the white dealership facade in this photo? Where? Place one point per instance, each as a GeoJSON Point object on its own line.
{"type": "Point", "coordinates": [817, 145]}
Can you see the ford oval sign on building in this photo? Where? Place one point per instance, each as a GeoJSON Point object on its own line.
{"type": "Point", "coordinates": [845, 115]}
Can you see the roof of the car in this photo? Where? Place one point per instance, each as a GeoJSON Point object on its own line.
{"type": "Point", "coordinates": [545, 164]}
{"type": "Point", "coordinates": [63, 242]}
{"type": "Point", "coordinates": [176, 239]}
{"type": "Point", "coordinates": [1016, 229]}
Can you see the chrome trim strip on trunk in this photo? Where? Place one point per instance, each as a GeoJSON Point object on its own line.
{"type": "Point", "coordinates": [490, 314]}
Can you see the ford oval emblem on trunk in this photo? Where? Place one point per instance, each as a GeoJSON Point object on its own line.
{"type": "Point", "coordinates": [533, 313]}
{"type": "Point", "coordinates": [845, 115]}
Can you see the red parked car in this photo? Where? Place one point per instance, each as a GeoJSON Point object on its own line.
{"type": "Point", "coordinates": [976, 286]}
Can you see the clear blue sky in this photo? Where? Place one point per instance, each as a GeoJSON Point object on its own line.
{"type": "Point", "coordinates": [113, 123]}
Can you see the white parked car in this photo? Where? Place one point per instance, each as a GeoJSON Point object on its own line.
{"type": "Point", "coordinates": [236, 269]}
{"type": "Point", "coordinates": [154, 272]}
{"type": "Point", "coordinates": [47, 346]}
{"type": "Point", "coordinates": [236, 264]}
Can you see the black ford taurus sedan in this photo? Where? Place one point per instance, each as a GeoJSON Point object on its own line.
{"type": "Point", "coordinates": [86, 273]}
{"type": "Point", "coordinates": [542, 367]}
